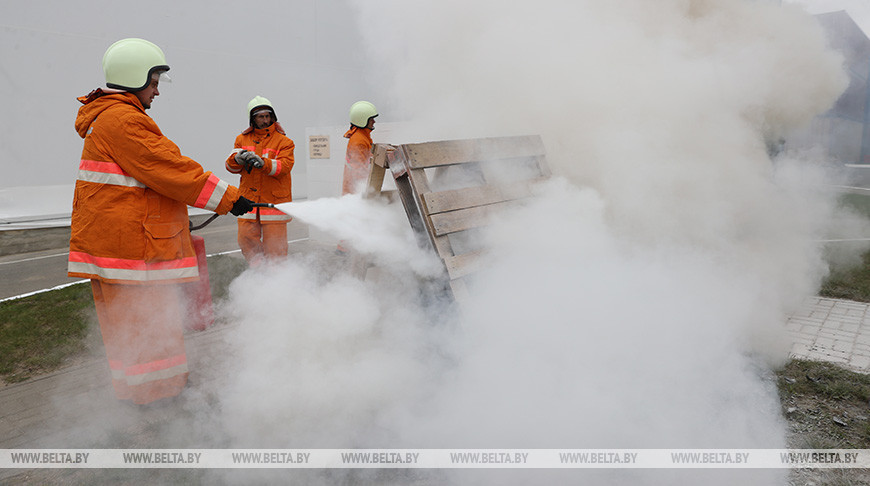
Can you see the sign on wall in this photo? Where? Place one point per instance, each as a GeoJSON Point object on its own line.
{"type": "Point", "coordinates": [318, 146]}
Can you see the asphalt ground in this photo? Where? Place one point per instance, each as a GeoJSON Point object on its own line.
{"type": "Point", "coordinates": [31, 271]}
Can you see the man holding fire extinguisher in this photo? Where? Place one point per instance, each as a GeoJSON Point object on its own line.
{"type": "Point", "coordinates": [263, 157]}
{"type": "Point", "coordinates": [129, 228]}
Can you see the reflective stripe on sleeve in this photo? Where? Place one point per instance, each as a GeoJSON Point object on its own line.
{"type": "Point", "coordinates": [212, 193]}
{"type": "Point", "coordinates": [273, 154]}
{"type": "Point", "coordinates": [233, 154]}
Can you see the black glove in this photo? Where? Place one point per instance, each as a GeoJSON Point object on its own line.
{"type": "Point", "coordinates": [241, 206]}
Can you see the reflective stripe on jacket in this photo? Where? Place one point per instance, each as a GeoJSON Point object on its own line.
{"type": "Point", "coordinates": [129, 218]}
{"type": "Point", "coordinates": [271, 183]}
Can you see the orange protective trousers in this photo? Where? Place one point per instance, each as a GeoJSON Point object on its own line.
{"type": "Point", "coordinates": [143, 334]}
{"type": "Point", "coordinates": [258, 240]}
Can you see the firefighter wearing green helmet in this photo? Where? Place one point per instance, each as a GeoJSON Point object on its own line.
{"type": "Point", "coordinates": [129, 227]}
{"type": "Point", "coordinates": [359, 146]}
{"type": "Point", "coordinates": [263, 158]}
{"type": "Point", "coordinates": [359, 150]}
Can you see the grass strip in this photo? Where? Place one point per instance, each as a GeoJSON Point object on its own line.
{"type": "Point", "coordinates": [39, 332]}
{"type": "Point", "coordinates": [42, 332]}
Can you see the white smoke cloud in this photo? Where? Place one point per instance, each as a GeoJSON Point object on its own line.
{"type": "Point", "coordinates": [379, 231]}
{"type": "Point", "coordinates": [638, 302]}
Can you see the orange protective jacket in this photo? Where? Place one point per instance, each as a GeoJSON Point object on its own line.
{"type": "Point", "coordinates": [270, 183]}
{"type": "Point", "coordinates": [357, 159]}
{"type": "Point", "coordinates": [129, 218]}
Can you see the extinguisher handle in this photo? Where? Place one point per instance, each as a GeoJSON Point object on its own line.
{"type": "Point", "coordinates": [203, 224]}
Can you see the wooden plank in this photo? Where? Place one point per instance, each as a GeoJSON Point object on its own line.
{"type": "Point", "coordinates": [410, 184]}
{"type": "Point", "coordinates": [462, 265]}
{"type": "Point", "coordinates": [463, 219]}
{"type": "Point", "coordinates": [505, 171]}
{"type": "Point", "coordinates": [379, 154]}
{"type": "Point", "coordinates": [460, 291]}
{"type": "Point", "coordinates": [439, 202]}
{"type": "Point", "coordinates": [419, 223]}
{"type": "Point", "coordinates": [374, 188]}
{"type": "Point", "coordinates": [391, 195]}
{"type": "Point", "coordinates": [437, 154]}
{"type": "Point", "coordinates": [419, 184]}
{"type": "Point", "coordinates": [375, 181]}
{"type": "Point", "coordinates": [508, 168]}
{"type": "Point", "coordinates": [443, 247]}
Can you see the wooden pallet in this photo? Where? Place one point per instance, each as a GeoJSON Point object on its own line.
{"type": "Point", "coordinates": [451, 189]}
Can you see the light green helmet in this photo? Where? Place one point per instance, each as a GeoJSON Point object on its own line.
{"type": "Point", "coordinates": [129, 63]}
{"type": "Point", "coordinates": [260, 102]}
{"type": "Point", "coordinates": [360, 112]}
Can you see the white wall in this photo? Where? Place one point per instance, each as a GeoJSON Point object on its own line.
{"type": "Point", "coordinates": [325, 175]}
{"type": "Point", "coordinates": [50, 204]}
{"type": "Point", "coordinates": [298, 53]}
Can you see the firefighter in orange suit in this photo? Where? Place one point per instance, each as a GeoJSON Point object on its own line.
{"type": "Point", "coordinates": [263, 156]}
{"type": "Point", "coordinates": [129, 230]}
{"type": "Point", "coordinates": [358, 158]}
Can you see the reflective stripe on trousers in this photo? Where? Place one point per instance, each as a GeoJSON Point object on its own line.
{"type": "Point", "coordinates": [143, 334]}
